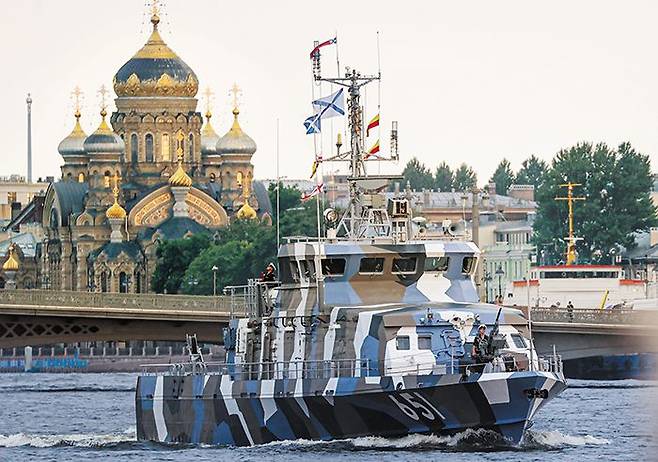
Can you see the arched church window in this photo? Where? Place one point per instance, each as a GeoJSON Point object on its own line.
{"type": "Point", "coordinates": [148, 141]}
{"type": "Point", "coordinates": [68, 176]}
{"type": "Point", "coordinates": [165, 148]}
{"type": "Point", "coordinates": [134, 146]}
{"type": "Point", "coordinates": [212, 177]}
{"type": "Point", "coordinates": [106, 179]}
{"type": "Point", "coordinates": [123, 282]}
{"type": "Point", "coordinates": [104, 281]}
{"type": "Point", "coordinates": [138, 282]}
{"type": "Point", "coordinates": [81, 177]}
{"type": "Point", "coordinates": [238, 178]}
{"type": "Point", "coordinates": [190, 147]}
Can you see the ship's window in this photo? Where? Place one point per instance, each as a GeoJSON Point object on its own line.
{"type": "Point", "coordinates": [294, 271]}
{"type": "Point", "coordinates": [404, 265]}
{"type": "Point", "coordinates": [333, 266]}
{"type": "Point", "coordinates": [371, 266]}
{"type": "Point", "coordinates": [307, 269]}
{"type": "Point", "coordinates": [424, 342]}
{"type": "Point", "coordinates": [402, 342]}
{"type": "Point", "coordinates": [519, 342]}
{"type": "Point", "coordinates": [468, 265]}
{"type": "Point", "coordinates": [436, 263]}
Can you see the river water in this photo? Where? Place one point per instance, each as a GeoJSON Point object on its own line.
{"type": "Point", "coordinates": [90, 417]}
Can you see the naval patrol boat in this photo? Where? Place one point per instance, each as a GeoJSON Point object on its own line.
{"type": "Point", "coordinates": [367, 332]}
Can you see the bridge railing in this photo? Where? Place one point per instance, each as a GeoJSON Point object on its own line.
{"type": "Point", "coordinates": [580, 316]}
{"type": "Point", "coordinates": [58, 298]}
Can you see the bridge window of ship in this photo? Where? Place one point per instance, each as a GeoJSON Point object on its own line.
{"type": "Point", "coordinates": [307, 269]}
{"type": "Point", "coordinates": [468, 265]}
{"type": "Point", "coordinates": [371, 266]}
{"type": "Point", "coordinates": [404, 265]}
{"type": "Point", "coordinates": [518, 341]}
{"type": "Point", "coordinates": [333, 266]}
{"type": "Point", "coordinates": [424, 342]}
{"type": "Point", "coordinates": [436, 264]}
{"type": "Point", "coordinates": [402, 342]}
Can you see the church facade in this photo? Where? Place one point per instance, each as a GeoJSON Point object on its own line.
{"type": "Point", "coordinates": [154, 170]}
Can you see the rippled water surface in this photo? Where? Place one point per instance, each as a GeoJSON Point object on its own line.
{"type": "Point", "coordinates": [86, 417]}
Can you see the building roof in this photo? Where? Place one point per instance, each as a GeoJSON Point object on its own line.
{"type": "Point", "coordinates": [113, 249]}
{"type": "Point", "coordinates": [71, 196]}
{"type": "Point", "coordinates": [25, 241]}
{"type": "Point", "coordinates": [174, 228]}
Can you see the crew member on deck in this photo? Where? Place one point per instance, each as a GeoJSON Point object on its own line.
{"type": "Point", "coordinates": [480, 346]}
{"type": "Point", "coordinates": [269, 275]}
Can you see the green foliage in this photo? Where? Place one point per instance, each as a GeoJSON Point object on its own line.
{"type": "Point", "coordinates": [173, 257]}
{"type": "Point", "coordinates": [533, 170]}
{"type": "Point", "coordinates": [465, 178]}
{"type": "Point", "coordinates": [503, 177]}
{"type": "Point", "coordinates": [243, 250]}
{"type": "Point", "coordinates": [289, 197]}
{"type": "Point", "coordinates": [443, 177]}
{"type": "Point", "coordinates": [297, 218]}
{"type": "Point", "coordinates": [616, 186]}
{"type": "Point", "coordinates": [417, 175]}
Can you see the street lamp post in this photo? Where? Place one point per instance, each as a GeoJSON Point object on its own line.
{"type": "Point", "coordinates": [500, 273]}
{"type": "Point", "coordinates": [214, 280]}
{"type": "Point", "coordinates": [487, 280]}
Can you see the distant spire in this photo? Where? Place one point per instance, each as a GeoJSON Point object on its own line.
{"type": "Point", "coordinates": [76, 95]}
{"type": "Point", "coordinates": [236, 93]}
{"type": "Point", "coordinates": [156, 8]}
{"type": "Point", "coordinates": [102, 92]}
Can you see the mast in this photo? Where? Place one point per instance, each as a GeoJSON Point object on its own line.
{"type": "Point", "coordinates": [571, 239]}
{"type": "Point", "coordinates": [357, 221]}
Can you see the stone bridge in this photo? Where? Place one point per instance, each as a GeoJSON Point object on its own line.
{"type": "Point", "coordinates": [42, 317]}
{"type": "Point", "coordinates": [585, 333]}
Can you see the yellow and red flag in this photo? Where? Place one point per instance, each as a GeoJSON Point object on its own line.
{"type": "Point", "coordinates": [373, 150]}
{"type": "Point", "coordinates": [316, 163]}
{"type": "Point", "coordinates": [372, 124]}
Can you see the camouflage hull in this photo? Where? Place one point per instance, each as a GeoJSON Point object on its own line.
{"type": "Point", "coordinates": [213, 409]}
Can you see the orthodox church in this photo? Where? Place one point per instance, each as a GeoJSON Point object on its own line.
{"type": "Point", "coordinates": [153, 171]}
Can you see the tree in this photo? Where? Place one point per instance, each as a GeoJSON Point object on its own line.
{"type": "Point", "coordinates": [173, 258]}
{"type": "Point", "coordinates": [615, 184]}
{"type": "Point", "coordinates": [417, 175]}
{"type": "Point", "coordinates": [443, 177]}
{"type": "Point", "coordinates": [503, 177]}
{"type": "Point", "coordinates": [289, 196]}
{"type": "Point", "coordinates": [533, 170]}
{"type": "Point", "coordinates": [465, 178]}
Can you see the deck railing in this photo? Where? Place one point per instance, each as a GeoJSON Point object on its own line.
{"type": "Point", "coordinates": [325, 369]}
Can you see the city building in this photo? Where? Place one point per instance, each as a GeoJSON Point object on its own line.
{"type": "Point", "coordinates": [16, 192]}
{"type": "Point", "coordinates": [151, 171]}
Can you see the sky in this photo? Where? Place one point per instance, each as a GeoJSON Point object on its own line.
{"type": "Point", "coordinates": [467, 81]}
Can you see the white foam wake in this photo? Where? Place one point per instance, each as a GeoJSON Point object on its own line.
{"type": "Point", "coordinates": [77, 440]}
{"type": "Point", "coordinates": [555, 439]}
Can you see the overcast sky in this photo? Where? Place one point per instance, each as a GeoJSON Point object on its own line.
{"type": "Point", "coordinates": [468, 81]}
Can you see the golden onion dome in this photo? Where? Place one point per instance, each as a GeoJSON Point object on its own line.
{"type": "Point", "coordinates": [236, 141]}
{"type": "Point", "coordinates": [155, 70]}
{"type": "Point", "coordinates": [74, 143]}
{"type": "Point", "coordinates": [180, 177]}
{"type": "Point", "coordinates": [209, 137]}
{"type": "Point", "coordinates": [246, 212]}
{"type": "Point", "coordinates": [115, 210]}
{"type": "Point", "coordinates": [104, 139]}
{"type": "Point", "coordinates": [12, 263]}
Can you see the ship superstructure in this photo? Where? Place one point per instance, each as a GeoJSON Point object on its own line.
{"type": "Point", "coordinates": [368, 331]}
